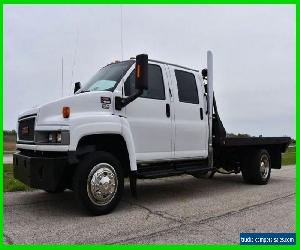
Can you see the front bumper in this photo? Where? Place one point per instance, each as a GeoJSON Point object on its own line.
{"type": "Point", "coordinates": [42, 148]}
{"type": "Point", "coordinates": [40, 171]}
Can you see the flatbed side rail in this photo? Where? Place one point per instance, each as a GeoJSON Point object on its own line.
{"type": "Point", "coordinates": [256, 141]}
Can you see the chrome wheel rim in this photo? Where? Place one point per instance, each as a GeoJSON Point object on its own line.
{"type": "Point", "coordinates": [102, 184]}
{"type": "Point", "coordinates": [264, 166]}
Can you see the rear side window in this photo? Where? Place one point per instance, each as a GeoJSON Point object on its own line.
{"type": "Point", "coordinates": [156, 89]}
{"type": "Point", "coordinates": [187, 87]}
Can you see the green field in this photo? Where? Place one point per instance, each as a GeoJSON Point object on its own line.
{"type": "Point", "coordinates": [11, 184]}
{"type": "Point", "coordinates": [289, 157]}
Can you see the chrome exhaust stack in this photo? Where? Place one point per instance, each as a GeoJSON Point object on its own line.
{"type": "Point", "coordinates": [210, 98]}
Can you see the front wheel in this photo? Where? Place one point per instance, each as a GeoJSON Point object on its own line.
{"type": "Point", "coordinates": [98, 182]}
{"type": "Point", "coordinates": [258, 168]}
{"type": "Point", "coordinates": [55, 191]}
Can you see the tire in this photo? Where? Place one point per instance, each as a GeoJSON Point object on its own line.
{"type": "Point", "coordinates": [98, 182]}
{"type": "Point", "coordinates": [257, 168]}
{"type": "Point", "coordinates": [200, 174]}
{"type": "Point", "coordinates": [56, 191]}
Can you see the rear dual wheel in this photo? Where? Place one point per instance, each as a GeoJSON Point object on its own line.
{"type": "Point", "coordinates": [257, 167]}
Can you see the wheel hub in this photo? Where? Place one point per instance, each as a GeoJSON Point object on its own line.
{"type": "Point", "coordinates": [102, 184]}
{"type": "Point", "coordinates": [264, 166]}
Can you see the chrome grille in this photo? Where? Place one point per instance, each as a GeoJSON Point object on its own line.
{"type": "Point", "coordinates": [26, 129]}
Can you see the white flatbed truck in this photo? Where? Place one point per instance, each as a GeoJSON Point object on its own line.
{"type": "Point", "coordinates": [138, 118]}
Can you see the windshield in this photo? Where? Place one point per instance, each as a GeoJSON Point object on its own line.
{"type": "Point", "coordinates": [107, 78]}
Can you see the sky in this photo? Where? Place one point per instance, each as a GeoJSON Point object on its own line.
{"type": "Point", "coordinates": [253, 47]}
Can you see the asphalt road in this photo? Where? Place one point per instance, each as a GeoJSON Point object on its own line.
{"type": "Point", "coordinates": [171, 210]}
{"type": "Point", "coordinates": [8, 159]}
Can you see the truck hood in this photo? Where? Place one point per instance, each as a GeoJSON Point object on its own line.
{"type": "Point", "coordinates": [32, 111]}
{"type": "Point", "coordinates": [81, 105]}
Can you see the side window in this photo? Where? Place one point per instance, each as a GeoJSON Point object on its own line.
{"type": "Point", "coordinates": [187, 87]}
{"type": "Point", "coordinates": [156, 88]}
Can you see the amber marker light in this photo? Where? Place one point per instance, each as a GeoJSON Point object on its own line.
{"type": "Point", "coordinates": [66, 112]}
{"type": "Point", "coordinates": [138, 71]}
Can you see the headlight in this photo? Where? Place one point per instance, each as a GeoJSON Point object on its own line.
{"type": "Point", "coordinates": [52, 137]}
{"type": "Point", "coordinates": [58, 137]}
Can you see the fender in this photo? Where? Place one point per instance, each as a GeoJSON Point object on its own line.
{"type": "Point", "coordinates": [127, 135]}
{"type": "Point", "coordinates": [104, 124]}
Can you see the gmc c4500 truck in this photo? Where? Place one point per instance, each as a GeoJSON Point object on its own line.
{"type": "Point", "coordinates": [138, 118]}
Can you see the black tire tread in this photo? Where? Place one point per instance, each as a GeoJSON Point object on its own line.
{"type": "Point", "coordinates": [56, 191]}
{"type": "Point", "coordinates": [250, 170]}
{"type": "Point", "coordinates": [80, 178]}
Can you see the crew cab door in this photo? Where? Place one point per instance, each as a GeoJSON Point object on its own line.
{"type": "Point", "coordinates": [190, 119]}
{"type": "Point", "coordinates": [149, 116]}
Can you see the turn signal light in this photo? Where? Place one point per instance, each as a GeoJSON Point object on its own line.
{"type": "Point", "coordinates": [138, 73]}
{"type": "Point", "coordinates": [66, 112]}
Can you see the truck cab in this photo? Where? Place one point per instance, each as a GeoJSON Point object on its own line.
{"type": "Point", "coordinates": [139, 118]}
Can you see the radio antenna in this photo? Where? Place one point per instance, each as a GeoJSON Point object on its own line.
{"type": "Point", "coordinates": [62, 76]}
{"type": "Point", "coordinates": [121, 28]}
{"type": "Point", "coordinates": [74, 58]}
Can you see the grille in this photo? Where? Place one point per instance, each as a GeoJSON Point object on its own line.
{"type": "Point", "coordinates": [26, 129]}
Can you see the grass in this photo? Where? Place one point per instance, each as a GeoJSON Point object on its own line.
{"type": "Point", "coordinates": [10, 183]}
{"type": "Point", "coordinates": [289, 157]}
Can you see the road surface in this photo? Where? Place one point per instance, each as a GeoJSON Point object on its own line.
{"type": "Point", "coordinates": [171, 210]}
{"type": "Point", "coordinates": [8, 159]}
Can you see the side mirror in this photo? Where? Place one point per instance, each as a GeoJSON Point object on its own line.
{"type": "Point", "coordinates": [141, 72]}
{"type": "Point", "coordinates": [77, 87]}
{"type": "Point", "coordinates": [141, 82]}
{"type": "Point", "coordinates": [204, 73]}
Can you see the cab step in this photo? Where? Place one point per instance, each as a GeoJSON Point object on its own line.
{"type": "Point", "coordinates": [173, 168]}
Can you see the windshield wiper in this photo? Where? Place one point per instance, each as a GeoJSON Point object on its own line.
{"type": "Point", "coordinates": [83, 91]}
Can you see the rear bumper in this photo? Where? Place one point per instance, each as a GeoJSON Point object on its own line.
{"type": "Point", "coordinates": [39, 171]}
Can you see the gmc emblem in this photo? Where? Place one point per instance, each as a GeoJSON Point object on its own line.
{"type": "Point", "coordinates": [25, 130]}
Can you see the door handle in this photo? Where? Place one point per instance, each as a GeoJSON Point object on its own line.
{"type": "Point", "coordinates": [168, 113]}
{"type": "Point", "coordinates": [201, 113]}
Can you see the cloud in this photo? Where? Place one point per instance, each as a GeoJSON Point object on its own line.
{"type": "Point", "coordinates": [253, 45]}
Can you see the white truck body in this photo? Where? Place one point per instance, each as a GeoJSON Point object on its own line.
{"type": "Point", "coordinates": [138, 118]}
{"type": "Point", "coordinates": [149, 134]}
